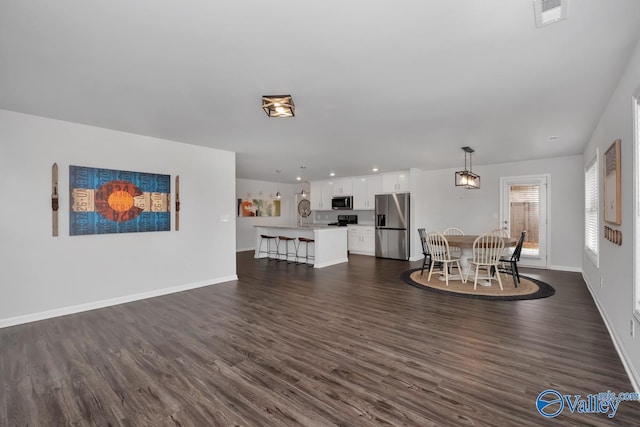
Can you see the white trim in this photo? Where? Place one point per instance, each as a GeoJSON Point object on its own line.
{"type": "Point", "coordinates": [246, 249]}
{"type": "Point", "coordinates": [634, 378]}
{"type": "Point", "coordinates": [328, 263]}
{"type": "Point", "coordinates": [64, 311]}
{"type": "Point", "coordinates": [636, 204]}
{"type": "Point", "coordinates": [417, 258]}
{"type": "Point", "coordinates": [565, 268]}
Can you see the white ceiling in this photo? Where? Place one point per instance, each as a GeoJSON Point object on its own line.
{"type": "Point", "coordinates": [393, 84]}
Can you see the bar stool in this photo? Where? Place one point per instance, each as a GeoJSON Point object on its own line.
{"type": "Point", "coordinates": [269, 251]}
{"type": "Point", "coordinates": [306, 256]}
{"type": "Point", "coordinates": [286, 254]}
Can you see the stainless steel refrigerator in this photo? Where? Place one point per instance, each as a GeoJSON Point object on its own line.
{"type": "Point", "coordinates": [392, 226]}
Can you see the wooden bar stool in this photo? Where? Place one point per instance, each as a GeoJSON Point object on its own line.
{"type": "Point", "coordinates": [286, 253]}
{"type": "Point", "coordinates": [271, 254]}
{"type": "Point", "coordinates": [306, 257]}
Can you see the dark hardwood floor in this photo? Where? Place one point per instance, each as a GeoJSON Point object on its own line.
{"type": "Point", "coordinates": [347, 345]}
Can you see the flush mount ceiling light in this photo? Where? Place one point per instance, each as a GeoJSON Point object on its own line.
{"type": "Point", "coordinates": [278, 105]}
{"type": "Point", "coordinates": [467, 178]}
{"type": "Point", "coordinates": [549, 11]}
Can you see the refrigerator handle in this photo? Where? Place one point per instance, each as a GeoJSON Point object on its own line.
{"type": "Point", "coordinates": [381, 220]}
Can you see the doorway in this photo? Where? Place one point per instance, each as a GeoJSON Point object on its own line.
{"type": "Point", "coordinates": [523, 201]}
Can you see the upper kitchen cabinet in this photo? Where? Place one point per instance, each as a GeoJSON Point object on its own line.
{"type": "Point", "coordinates": [397, 182]}
{"type": "Point", "coordinates": [365, 189]}
{"type": "Point", "coordinates": [343, 187]}
{"type": "Point", "coordinates": [321, 194]}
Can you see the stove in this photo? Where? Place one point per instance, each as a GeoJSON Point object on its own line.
{"type": "Point", "coordinates": [344, 220]}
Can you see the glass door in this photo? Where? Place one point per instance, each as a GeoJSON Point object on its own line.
{"type": "Point", "coordinates": [524, 208]}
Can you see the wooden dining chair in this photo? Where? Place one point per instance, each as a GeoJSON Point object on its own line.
{"type": "Point", "coordinates": [487, 250]}
{"type": "Point", "coordinates": [513, 260]}
{"type": "Point", "coordinates": [502, 232]}
{"type": "Point", "coordinates": [455, 250]}
{"type": "Point", "coordinates": [440, 254]}
{"type": "Point", "coordinates": [425, 249]}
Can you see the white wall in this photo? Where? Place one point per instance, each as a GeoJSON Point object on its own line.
{"type": "Point", "coordinates": [615, 297]}
{"type": "Point", "coordinates": [43, 276]}
{"type": "Point", "coordinates": [245, 230]}
{"type": "Point", "coordinates": [439, 204]}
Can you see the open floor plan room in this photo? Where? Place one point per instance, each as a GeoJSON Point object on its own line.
{"type": "Point", "coordinates": [350, 344]}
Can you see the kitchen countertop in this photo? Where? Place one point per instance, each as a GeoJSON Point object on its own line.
{"type": "Point", "coordinates": [302, 227]}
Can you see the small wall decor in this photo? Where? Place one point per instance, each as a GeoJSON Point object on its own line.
{"type": "Point", "coordinates": [612, 184]}
{"type": "Point", "coordinates": [177, 202]}
{"type": "Point", "coordinates": [258, 207]}
{"type": "Point", "coordinates": [54, 200]}
{"type": "Point", "coordinates": [113, 201]}
{"type": "Point", "coordinates": [612, 235]}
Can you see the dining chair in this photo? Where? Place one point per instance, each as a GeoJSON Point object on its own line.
{"type": "Point", "coordinates": [502, 232]}
{"type": "Point", "coordinates": [487, 250]}
{"type": "Point", "coordinates": [440, 254]}
{"type": "Point", "coordinates": [454, 231]}
{"type": "Point", "coordinates": [513, 260]}
{"type": "Point", "coordinates": [425, 249]}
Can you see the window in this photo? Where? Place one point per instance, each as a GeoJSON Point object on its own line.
{"type": "Point", "coordinates": [591, 210]}
{"type": "Point", "coordinates": [636, 168]}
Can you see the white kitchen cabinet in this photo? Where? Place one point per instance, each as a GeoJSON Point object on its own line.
{"type": "Point", "coordinates": [361, 239]}
{"type": "Point", "coordinates": [321, 194]}
{"type": "Point", "coordinates": [365, 189]}
{"type": "Point", "coordinates": [397, 182]}
{"type": "Point", "coordinates": [343, 187]}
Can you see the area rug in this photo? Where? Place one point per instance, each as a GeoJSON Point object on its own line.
{"type": "Point", "coordinates": [528, 288]}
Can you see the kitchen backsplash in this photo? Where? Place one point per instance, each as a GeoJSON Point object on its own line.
{"type": "Point", "coordinates": [325, 217]}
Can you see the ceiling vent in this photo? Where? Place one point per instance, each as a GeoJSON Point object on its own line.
{"type": "Point", "coordinates": [549, 11]}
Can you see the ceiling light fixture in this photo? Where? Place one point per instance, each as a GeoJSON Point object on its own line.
{"type": "Point", "coordinates": [332, 174]}
{"type": "Point", "coordinates": [374, 170]}
{"type": "Point", "coordinates": [278, 195]}
{"type": "Point", "coordinates": [278, 105]}
{"type": "Point", "coordinates": [467, 178]}
{"type": "Point", "coordinates": [549, 11]}
{"type": "Point", "coordinates": [303, 193]}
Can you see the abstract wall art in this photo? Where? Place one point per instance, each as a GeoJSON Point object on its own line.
{"type": "Point", "coordinates": [258, 207]}
{"type": "Point", "coordinates": [114, 201]}
{"type": "Point", "coordinates": [612, 184]}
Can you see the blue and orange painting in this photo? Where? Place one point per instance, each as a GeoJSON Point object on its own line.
{"type": "Point", "coordinates": [113, 201]}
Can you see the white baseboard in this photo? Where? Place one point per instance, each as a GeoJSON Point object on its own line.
{"type": "Point", "coordinates": [565, 268]}
{"type": "Point", "coordinates": [64, 311]}
{"type": "Point", "coordinates": [245, 249]}
{"type": "Point", "coordinates": [416, 258]}
{"type": "Point", "coordinates": [628, 367]}
{"type": "Point", "coordinates": [328, 263]}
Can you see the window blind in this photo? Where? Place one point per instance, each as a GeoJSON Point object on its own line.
{"type": "Point", "coordinates": [591, 208]}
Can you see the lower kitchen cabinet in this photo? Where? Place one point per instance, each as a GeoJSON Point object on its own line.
{"type": "Point", "coordinates": [361, 239]}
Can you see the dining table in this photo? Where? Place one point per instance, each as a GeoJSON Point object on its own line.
{"type": "Point", "coordinates": [465, 243]}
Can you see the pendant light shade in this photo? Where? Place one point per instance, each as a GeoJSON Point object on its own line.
{"type": "Point", "coordinates": [278, 195]}
{"type": "Point", "coordinates": [466, 178]}
{"type": "Point", "coordinates": [303, 193]}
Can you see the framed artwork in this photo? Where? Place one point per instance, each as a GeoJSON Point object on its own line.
{"type": "Point", "coordinates": [612, 184]}
{"type": "Point", "coordinates": [258, 207]}
{"type": "Point", "coordinates": [114, 201]}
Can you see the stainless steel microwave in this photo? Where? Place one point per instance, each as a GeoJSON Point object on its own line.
{"type": "Point", "coordinates": [343, 202]}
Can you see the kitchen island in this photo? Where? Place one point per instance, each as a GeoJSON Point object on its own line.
{"type": "Point", "coordinates": [329, 248]}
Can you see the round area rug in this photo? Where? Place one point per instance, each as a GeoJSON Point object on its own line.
{"type": "Point", "coordinates": [528, 288]}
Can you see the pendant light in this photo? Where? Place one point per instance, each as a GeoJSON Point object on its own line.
{"type": "Point", "coordinates": [303, 193]}
{"type": "Point", "coordinates": [278, 195]}
{"type": "Point", "coordinates": [467, 178]}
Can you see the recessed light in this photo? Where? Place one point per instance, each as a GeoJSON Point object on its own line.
{"type": "Point", "coordinates": [332, 174]}
{"type": "Point", "coordinates": [298, 178]}
{"type": "Point", "coordinates": [374, 170]}
{"type": "Point", "coordinates": [552, 137]}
